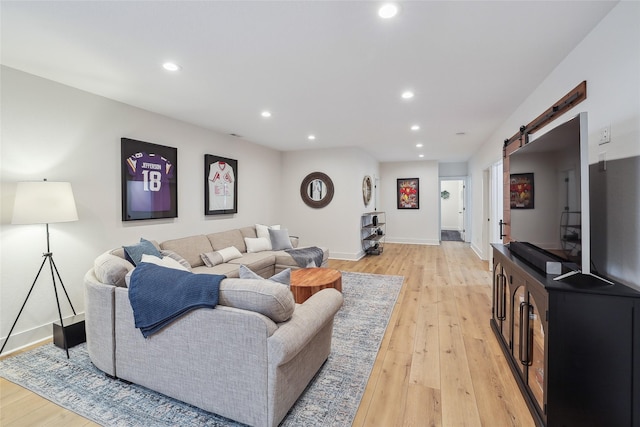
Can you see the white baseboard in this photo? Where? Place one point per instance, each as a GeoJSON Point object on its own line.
{"type": "Point", "coordinates": [346, 256]}
{"type": "Point", "coordinates": [478, 252]}
{"type": "Point", "coordinates": [413, 241]}
{"type": "Point", "coordinates": [20, 340]}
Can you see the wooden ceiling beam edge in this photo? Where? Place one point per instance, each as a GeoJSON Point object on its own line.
{"type": "Point", "coordinates": [570, 100]}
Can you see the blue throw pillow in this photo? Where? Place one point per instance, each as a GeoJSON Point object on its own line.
{"type": "Point", "coordinates": [283, 277]}
{"type": "Point", "coordinates": [134, 253]}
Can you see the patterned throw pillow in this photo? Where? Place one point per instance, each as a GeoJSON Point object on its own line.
{"type": "Point", "coordinates": [211, 259]}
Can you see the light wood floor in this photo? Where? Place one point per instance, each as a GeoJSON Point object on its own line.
{"type": "Point", "coordinates": [439, 363]}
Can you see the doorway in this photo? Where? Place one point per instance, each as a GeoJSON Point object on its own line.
{"type": "Point", "coordinates": [453, 210]}
{"type": "Point", "coordinates": [492, 210]}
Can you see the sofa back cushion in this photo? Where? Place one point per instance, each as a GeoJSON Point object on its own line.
{"type": "Point", "coordinates": [249, 232]}
{"type": "Point", "coordinates": [224, 239]}
{"type": "Point", "coordinates": [189, 248]}
{"type": "Point", "coordinates": [268, 298]}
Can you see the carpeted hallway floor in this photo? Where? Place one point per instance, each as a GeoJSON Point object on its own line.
{"type": "Point", "coordinates": [450, 235]}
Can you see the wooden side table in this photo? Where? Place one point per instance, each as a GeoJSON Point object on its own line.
{"type": "Point", "coordinates": [307, 281]}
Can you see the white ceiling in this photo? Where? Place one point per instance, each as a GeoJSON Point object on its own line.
{"type": "Point", "coordinates": [330, 68]}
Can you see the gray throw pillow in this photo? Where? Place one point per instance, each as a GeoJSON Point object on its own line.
{"type": "Point", "coordinates": [111, 270]}
{"type": "Point", "coordinates": [284, 277]}
{"type": "Point", "coordinates": [280, 239]}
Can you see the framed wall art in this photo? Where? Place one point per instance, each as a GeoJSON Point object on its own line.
{"type": "Point", "coordinates": [521, 191]}
{"type": "Point", "coordinates": [149, 180]}
{"type": "Point", "coordinates": [220, 185]}
{"type": "Point", "coordinates": [408, 193]}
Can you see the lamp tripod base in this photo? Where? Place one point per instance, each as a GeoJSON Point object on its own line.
{"type": "Point", "coordinates": [54, 272]}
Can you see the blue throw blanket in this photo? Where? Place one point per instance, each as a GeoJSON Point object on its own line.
{"type": "Point", "coordinates": [304, 257]}
{"type": "Point", "coordinates": [160, 295]}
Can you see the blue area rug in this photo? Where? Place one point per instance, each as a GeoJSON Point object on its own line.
{"type": "Point", "coordinates": [331, 399]}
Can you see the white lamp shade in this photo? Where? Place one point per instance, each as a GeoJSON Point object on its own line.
{"type": "Point", "coordinates": [44, 202]}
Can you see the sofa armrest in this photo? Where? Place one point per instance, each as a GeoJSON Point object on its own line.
{"type": "Point", "coordinates": [307, 320]}
{"type": "Point", "coordinates": [100, 322]}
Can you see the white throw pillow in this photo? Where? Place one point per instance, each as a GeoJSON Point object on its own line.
{"type": "Point", "coordinates": [229, 253]}
{"type": "Point", "coordinates": [257, 245]}
{"type": "Point", "coordinates": [164, 262]}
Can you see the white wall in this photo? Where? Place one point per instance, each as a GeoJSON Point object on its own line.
{"type": "Point", "coordinates": [336, 226]}
{"type": "Point", "coordinates": [609, 60]}
{"type": "Point", "coordinates": [457, 169]}
{"type": "Point", "coordinates": [418, 226]}
{"type": "Point", "coordinates": [56, 132]}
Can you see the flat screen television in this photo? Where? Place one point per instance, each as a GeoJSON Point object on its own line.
{"type": "Point", "coordinates": [549, 189]}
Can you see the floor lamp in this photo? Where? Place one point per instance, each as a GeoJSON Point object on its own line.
{"type": "Point", "coordinates": [44, 202]}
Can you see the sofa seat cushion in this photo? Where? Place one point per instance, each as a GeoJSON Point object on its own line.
{"type": "Point", "coordinates": [268, 298]}
{"type": "Point", "coordinates": [189, 248]}
{"type": "Point", "coordinates": [284, 259]}
{"type": "Point", "coordinates": [229, 270]}
{"type": "Point", "coordinates": [227, 238]}
{"type": "Point", "coordinates": [256, 261]}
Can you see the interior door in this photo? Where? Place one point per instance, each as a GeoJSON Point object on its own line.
{"type": "Point", "coordinates": [462, 211]}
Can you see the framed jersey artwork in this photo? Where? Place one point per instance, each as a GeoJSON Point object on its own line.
{"type": "Point", "coordinates": [149, 180]}
{"type": "Point", "coordinates": [220, 185]}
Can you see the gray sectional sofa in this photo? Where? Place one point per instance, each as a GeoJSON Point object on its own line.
{"type": "Point", "coordinates": [248, 359]}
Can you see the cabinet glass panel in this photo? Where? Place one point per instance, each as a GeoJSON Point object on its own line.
{"type": "Point", "coordinates": [501, 301]}
{"type": "Point", "coordinates": [498, 292]}
{"type": "Point", "coordinates": [519, 309]}
{"type": "Point", "coordinates": [506, 329]}
{"type": "Point", "coordinates": [536, 369]}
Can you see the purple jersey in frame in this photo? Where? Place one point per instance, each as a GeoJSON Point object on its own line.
{"type": "Point", "coordinates": [149, 189]}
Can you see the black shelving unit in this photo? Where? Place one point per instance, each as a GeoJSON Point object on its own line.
{"type": "Point", "coordinates": [373, 232]}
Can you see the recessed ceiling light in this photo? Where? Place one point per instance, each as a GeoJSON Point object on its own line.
{"type": "Point", "coordinates": [171, 66]}
{"type": "Point", "coordinates": [421, 155]}
{"type": "Point", "coordinates": [419, 145]}
{"type": "Point", "coordinates": [266, 114]}
{"type": "Point", "coordinates": [407, 94]}
{"type": "Point", "coordinates": [387, 11]}
{"type": "Point", "coordinates": [311, 137]}
{"type": "Point", "coordinates": [415, 127]}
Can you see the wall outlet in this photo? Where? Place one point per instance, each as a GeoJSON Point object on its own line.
{"type": "Point", "coordinates": [605, 135]}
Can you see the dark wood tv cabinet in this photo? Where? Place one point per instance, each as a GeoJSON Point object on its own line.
{"type": "Point", "coordinates": [573, 345]}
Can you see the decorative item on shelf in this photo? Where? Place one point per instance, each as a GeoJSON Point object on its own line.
{"type": "Point", "coordinates": [444, 194]}
{"type": "Point", "coordinates": [374, 219]}
{"type": "Point", "coordinates": [44, 202]}
{"type": "Point", "coordinates": [316, 190]}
